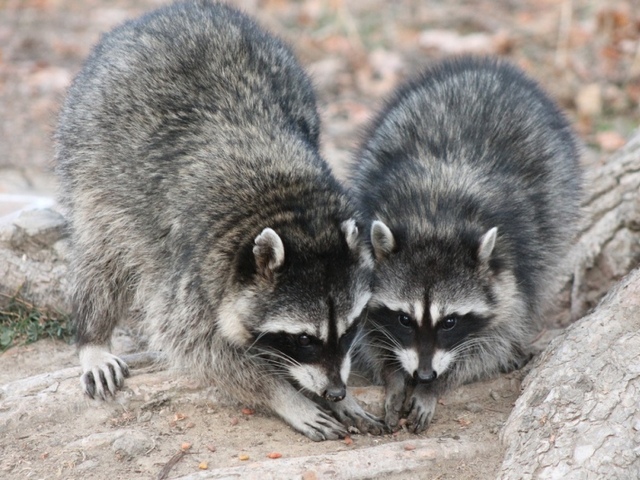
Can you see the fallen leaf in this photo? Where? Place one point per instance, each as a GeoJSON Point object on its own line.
{"type": "Point", "coordinates": [179, 416]}
{"type": "Point", "coordinates": [248, 411]}
{"type": "Point", "coordinates": [464, 422]}
{"type": "Point", "coordinates": [610, 141]}
{"type": "Point", "coordinates": [451, 42]}
{"type": "Point", "coordinates": [589, 100]}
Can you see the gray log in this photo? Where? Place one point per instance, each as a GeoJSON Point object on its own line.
{"type": "Point", "coordinates": [579, 414]}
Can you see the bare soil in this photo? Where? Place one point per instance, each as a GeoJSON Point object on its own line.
{"type": "Point", "coordinates": [49, 430]}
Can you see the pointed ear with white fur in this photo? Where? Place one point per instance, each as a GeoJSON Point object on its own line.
{"type": "Point", "coordinates": [382, 240]}
{"type": "Point", "coordinates": [350, 230]}
{"type": "Point", "coordinates": [487, 244]}
{"type": "Point", "coordinates": [269, 253]}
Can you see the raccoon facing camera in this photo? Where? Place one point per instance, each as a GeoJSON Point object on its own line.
{"type": "Point", "coordinates": [470, 184]}
{"type": "Point", "coordinates": [188, 156]}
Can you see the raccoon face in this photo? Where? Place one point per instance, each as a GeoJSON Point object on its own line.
{"type": "Point", "coordinates": [305, 311]}
{"type": "Point", "coordinates": [429, 304]}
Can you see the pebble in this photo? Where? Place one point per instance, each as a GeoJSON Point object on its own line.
{"type": "Point", "coordinates": [474, 407]}
{"type": "Point", "coordinates": [133, 444]}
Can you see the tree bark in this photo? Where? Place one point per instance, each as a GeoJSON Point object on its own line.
{"type": "Point", "coordinates": [608, 243]}
{"type": "Point", "coordinates": [579, 414]}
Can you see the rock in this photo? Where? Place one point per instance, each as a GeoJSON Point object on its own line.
{"type": "Point", "coordinates": [33, 252]}
{"type": "Point", "coordinates": [132, 444]}
{"type": "Point", "coordinates": [37, 229]}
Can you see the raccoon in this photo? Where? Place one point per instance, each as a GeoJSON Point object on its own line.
{"type": "Point", "coordinates": [188, 157]}
{"type": "Point", "coordinates": [469, 180]}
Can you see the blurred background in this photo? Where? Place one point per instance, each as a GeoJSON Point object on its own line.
{"type": "Point", "coordinates": [586, 53]}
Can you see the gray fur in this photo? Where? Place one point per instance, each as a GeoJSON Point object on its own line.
{"type": "Point", "coordinates": [475, 172]}
{"type": "Point", "coordinates": [187, 152]}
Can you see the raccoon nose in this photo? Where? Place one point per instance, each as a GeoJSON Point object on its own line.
{"type": "Point", "coordinates": [335, 394]}
{"type": "Point", "coordinates": [425, 375]}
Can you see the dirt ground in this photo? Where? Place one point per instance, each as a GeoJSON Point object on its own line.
{"type": "Point", "coordinates": [585, 52]}
{"type": "Point", "coordinates": [49, 430]}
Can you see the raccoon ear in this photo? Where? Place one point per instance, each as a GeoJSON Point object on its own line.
{"type": "Point", "coordinates": [350, 230]}
{"type": "Point", "coordinates": [487, 243]}
{"type": "Point", "coordinates": [269, 252]}
{"type": "Point", "coordinates": [382, 240]}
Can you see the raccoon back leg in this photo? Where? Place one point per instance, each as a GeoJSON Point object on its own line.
{"type": "Point", "coordinates": [304, 415]}
{"type": "Point", "coordinates": [421, 405]}
{"type": "Point", "coordinates": [100, 299]}
{"type": "Point", "coordinates": [352, 415]}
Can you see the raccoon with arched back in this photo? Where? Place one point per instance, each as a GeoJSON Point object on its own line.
{"type": "Point", "coordinates": [188, 158]}
{"type": "Point", "coordinates": [469, 180]}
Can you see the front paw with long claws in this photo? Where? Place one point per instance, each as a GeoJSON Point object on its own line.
{"type": "Point", "coordinates": [421, 406]}
{"type": "Point", "coordinates": [394, 400]}
{"type": "Point", "coordinates": [103, 373]}
{"type": "Point", "coordinates": [354, 417]}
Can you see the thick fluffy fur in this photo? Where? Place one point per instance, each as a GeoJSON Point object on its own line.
{"type": "Point", "coordinates": [187, 151]}
{"type": "Point", "coordinates": [470, 182]}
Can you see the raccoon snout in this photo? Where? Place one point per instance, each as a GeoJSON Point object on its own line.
{"type": "Point", "coordinates": [425, 376]}
{"type": "Point", "coordinates": [335, 394]}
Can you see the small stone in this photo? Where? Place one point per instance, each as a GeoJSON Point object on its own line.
{"type": "Point", "coordinates": [37, 229]}
{"type": "Point", "coordinates": [494, 395]}
{"type": "Point", "coordinates": [243, 457]}
{"type": "Point", "coordinates": [474, 407]}
{"type": "Point", "coordinates": [132, 444]}
{"type": "Point", "coordinates": [145, 416]}
{"type": "Point", "coordinates": [409, 447]}
{"type": "Point", "coordinates": [203, 465]}
{"type": "Point", "coordinates": [185, 446]}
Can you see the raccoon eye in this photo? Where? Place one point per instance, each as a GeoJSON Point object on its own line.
{"type": "Point", "coordinates": [404, 320]}
{"type": "Point", "coordinates": [304, 340]}
{"type": "Point", "coordinates": [449, 323]}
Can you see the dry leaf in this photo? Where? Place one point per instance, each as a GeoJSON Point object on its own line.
{"type": "Point", "coordinates": [589, 100]}
{"type": "Point", "coordinates": [464, 422]}
{"type": "Point", "coordinates": [610, 141]}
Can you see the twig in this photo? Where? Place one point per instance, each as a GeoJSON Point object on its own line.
{"type": "Point", "coordinates": [171, 463]}
{"type": "Point", "coordinates": [564, 33]}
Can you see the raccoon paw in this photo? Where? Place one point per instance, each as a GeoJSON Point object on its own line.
{"type": "Point", "coordinates": [394, 402]}
{"type": "Point", "coordinates": [306, 416]}
{"type": "Point", "coordinates": [356, 418]}
{"type": "Point", "coordinates": [421, 409]}
{"type": "Point", "coordinates": [103, 372]}
{"type": "Point", "coordinates": [317, 425]}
